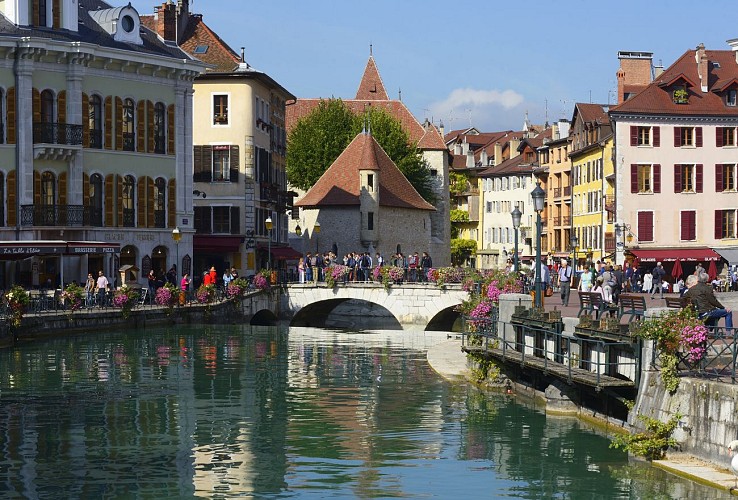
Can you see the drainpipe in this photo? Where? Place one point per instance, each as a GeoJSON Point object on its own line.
{"type": "Point", "coordinates": [17, 155]}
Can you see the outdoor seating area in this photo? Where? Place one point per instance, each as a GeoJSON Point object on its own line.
{"type": "Point", "coordinates": [593, 304]}
{"type": "Point", "coordinates": [632, 304]}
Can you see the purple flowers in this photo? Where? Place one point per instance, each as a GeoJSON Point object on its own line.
{"type": "Point", "coordinates": [694, 340]}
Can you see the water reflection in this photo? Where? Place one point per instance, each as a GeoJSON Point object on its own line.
{"type": "Point", "coordinates": [236, 411]}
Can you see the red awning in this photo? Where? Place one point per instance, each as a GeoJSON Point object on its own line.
{"type": "Point", "coordinates": [217, 244]}
{"type": "Point", "coordinates": [282, 253]}
{"type": "Point", "coordinates": [672, 254]}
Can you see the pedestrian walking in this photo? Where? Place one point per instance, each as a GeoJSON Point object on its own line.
{"type": "Point", "coordinates": [565, 275]}
{"type": "Point", "coordinates": [657, 280]}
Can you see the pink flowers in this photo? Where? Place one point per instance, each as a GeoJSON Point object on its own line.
{"type": "Point", "coordinates": [694, 340]}
{"type": "Point", "coordinates": [260, 282]}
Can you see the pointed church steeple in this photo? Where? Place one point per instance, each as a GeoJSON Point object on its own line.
{"type": "Point", "coordinates": [371, 87]}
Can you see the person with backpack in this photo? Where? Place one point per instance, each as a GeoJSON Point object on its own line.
{"type": "Point", "coordinates": [657, 281]}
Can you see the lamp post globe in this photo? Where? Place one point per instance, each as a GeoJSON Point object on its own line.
{"type": "Point", "coordinates": [516, 215]}
{"type": "Point", "coordinates": [539, 197]}
{"type": "Point", "coordinates": [316, 230]}
{"type": "Point", "coordinates": [574, 243]}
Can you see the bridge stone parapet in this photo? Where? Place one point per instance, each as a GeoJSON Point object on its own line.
{"type": "Point", "coordinates": [412, 305]}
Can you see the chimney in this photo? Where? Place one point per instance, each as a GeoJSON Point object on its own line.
{"type": "Point", "coordinates": [469, 159]}
{"type": "Point", "coordinates": [498, 153]}
{"type": "Point", "coordinates": [483, 157]}
{"type": "Point", "coordinates": [701, 58]}
{"type": "Point", "coordinates": [166, 21]}
{"type": "Point", "coordinates": [464, 146]}
{"type": "Point", "coordinates": [514, 143]}
{"type": "Point", "coordinates": [243, 54]}
{"type": "Point", "coordinates": [635, 69]}
{"type": "Point", "coordinates": [440, 129]}
{"type": "Point", "coordinates": [457, 149]}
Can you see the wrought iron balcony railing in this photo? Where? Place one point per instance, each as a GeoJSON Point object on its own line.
{"type": "Point", "coordinates": [60, 215]}
{"type": "Point", "coordinates": [57, 133]}
{"type": "Point", "coordinates": [96, 139]}
{"type": "Point", "coordinates": [129, 217]}
{"type": "Point", "coordinates": [159, 218]}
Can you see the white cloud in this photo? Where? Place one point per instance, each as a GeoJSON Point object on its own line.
{"type": "Point", "coordinates": [476, 105]}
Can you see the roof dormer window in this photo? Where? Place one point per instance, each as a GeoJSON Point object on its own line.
{"type": "Point", "coordinates": [680, 95]}
{"type": "Point", "coordinates": [126, 22]}
{"type": "Point", "coordinates": [731, 97]}
{"type": "Point", "coordinates": [122, 23]}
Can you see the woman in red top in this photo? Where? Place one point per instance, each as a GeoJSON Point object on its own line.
{"type": "Point", "coordinates": [213, 276]}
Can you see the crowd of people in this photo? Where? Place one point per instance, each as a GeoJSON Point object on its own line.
{"type": "Point", "coordinates": [312, 267]}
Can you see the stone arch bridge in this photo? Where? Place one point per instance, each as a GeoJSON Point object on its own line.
{"type": "Point", "coordinates": [411, 305]}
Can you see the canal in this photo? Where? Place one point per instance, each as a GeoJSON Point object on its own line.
{"type": "Point", "coordinates": [257, 412]}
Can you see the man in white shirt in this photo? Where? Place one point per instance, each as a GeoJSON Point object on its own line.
{"type": "Point", "coordinates": [102, 288]}
{"type": "Point", "coordinates": [565, 275]}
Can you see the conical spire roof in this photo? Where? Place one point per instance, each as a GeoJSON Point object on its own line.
{"type": "Point", "coordinates": [371, 87]}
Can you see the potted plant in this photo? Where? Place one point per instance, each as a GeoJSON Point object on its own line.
{"type": "Point", "coordinates": [167, 296]}
{"type": "Point", "coordinates": [125, 298]}
{"type": "Point", "coordinates": [18, 300]}
{"type": "Point", "coordinates": [680, 96]}
{"type": "Point", "coordinates": [72, 298]}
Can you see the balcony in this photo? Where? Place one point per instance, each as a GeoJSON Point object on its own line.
{"type": "Point", "coordinates": [96, 139]}
{"type": "Point", "coordinates": [557, 221]}
{"type": "Point", "coordinates": [567, 191]}
{"type": "Point", "coordinates": [159, 218]}
{"type": "Point", "coordinates": [60, 215]}
{"type": "Point", "coordinates": [129, 141]}
{"type": "Point", "coordinates": [129, 217]}
{"type": "Point", "coordinates": [566, 220]}
{"type": "Point", "coordinates": [57, 133]}
{"type": "Point", "coordinates": [557, 192]}
{"type": "Point", "coordinates": [609, 243]}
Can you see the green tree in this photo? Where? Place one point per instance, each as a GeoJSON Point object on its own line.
{"type": "Point", "coordinates": [461, 250]}
{"type": "Point", "coordinates": [317, 140]}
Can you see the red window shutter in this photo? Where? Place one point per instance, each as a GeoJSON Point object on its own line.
{"type": "Point", "coordinates": [633, 178]}
{"type": "Point", "coordinates": [633, 135]}
{"type": "Point", "coordinates": [688, 225]}
{"type": "Point", "coordinates": [698, 136]}
{"type": "Point", "coordinates": [645, 226]}
{"type": "Point", "coordinates": [719, 137]}
{"type": "Point", "coordinates": [677, 178]}
{"type": "Point", "coordinates": [657, 178]}
{"type": "Point", "coordinates": [698, 178]}
{"type": "Point", "coordinates": [656, 137]}
{"type": "Point", "coordinates": [719, 186]}
{"type": "Point", "coordinates": [718, 224]}
{"type": "Point", "coordinates": [677, 137]}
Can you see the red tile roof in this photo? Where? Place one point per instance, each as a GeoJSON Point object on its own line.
{"type": "Point", "coordinates": [591, 113]}
{"type": "Point", "coordinates": [371, 87]}
{"type": "Point", "coordinates": [657, 97]}
{"type": "Point", "coordinates": [423, 137]}
{"type": "Point", "coordinates": [339, 184]}
{"type": "Point", "coordinates": [219, 53]}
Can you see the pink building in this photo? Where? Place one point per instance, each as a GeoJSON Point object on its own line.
{"type": "Point", "coordinates": [676, 154]}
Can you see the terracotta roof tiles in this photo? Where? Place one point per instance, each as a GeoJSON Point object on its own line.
{"type": "Point", "coordinates": [371, 87]}
{"type": "Point", "coordinates": [339, 184]}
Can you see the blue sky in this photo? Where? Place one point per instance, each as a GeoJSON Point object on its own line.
{"type": "Point", "coordinates": [481, 62]}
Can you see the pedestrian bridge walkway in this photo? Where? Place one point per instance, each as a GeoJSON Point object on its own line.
{"type": "Point", "coordinates": [412, 305]}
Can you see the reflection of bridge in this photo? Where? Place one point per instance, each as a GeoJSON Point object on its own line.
{"type": "Point", "coordinates": [421, 305]}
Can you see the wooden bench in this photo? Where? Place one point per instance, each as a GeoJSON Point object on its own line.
{"type": "Point", "coordinates": [632, 304]}
{"type": "Point", "coordinates": [676, 302]}
{"type": "Point", "coordinates": [592, 303]}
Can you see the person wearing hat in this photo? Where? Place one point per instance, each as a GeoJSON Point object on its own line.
{"type": "Point", "coordinates": [565, 276]}
{"type": "Point", "coordinates": [658, 278]}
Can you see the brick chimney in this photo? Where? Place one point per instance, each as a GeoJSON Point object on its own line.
{"type": "Point", "coordinates": [166, 21]}
{"type": "Point", "coordinates": [635, 70]}
{"type": "Point", "coordinates": [701, 58]}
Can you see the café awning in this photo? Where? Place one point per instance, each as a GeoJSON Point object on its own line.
{"type": "Point", "coordinates": [729, 254]}
{"type": "Point", "coordinates": [673, 254]}
{"type": "Point", "coordinates": [216, 244]}
{"type": "Point", "coordinates": [26, 248]}
{"type": "Point", "coordinates": [282, 253]}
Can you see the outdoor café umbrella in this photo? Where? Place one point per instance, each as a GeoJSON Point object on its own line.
{"type": "Point", "coordinates": [676, 271]}
{"type": "Point", "coordinates": [712, 270]}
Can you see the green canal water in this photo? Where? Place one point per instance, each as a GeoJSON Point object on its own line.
{"type": "Point", "coordinates": [231, 411]}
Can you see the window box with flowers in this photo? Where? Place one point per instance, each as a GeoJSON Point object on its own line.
{"type": "Point", "coordinates": [680, 96]}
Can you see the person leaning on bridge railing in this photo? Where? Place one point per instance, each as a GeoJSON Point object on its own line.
{"type": "Point", "coordinates": [703, 298]}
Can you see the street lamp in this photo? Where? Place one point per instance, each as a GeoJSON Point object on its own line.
{"type": "Point", "coordinates": [298, 230]}
{"type": "Point", "coordinates": [268, 225]}
{"type": "Point", "coordinates": [574, 242]}
{"type": "Point", "coordinates": [176, 236]}
{"type": "Point", "coordinates": [539, 197]}
{"type": "Point", "coordinates": [316, 230]}
{"type": "Point", "coordinates": [516, 215]}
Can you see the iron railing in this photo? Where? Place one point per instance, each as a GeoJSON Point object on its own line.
{"type": "Point", "coordinates": [60, 215]}
{"type": "Point", "coordinates": [717, 363]}
{"type": "Point", "coordinates": [129, 217]}
{"type": "Point", "coordinates": [96, 139]}
{"type": "Point", "coordinates": [57, 133]}
{"type": "Point", "coordinates": [159, 218]}
{"type": "Point", "coordinates": [129, 141]}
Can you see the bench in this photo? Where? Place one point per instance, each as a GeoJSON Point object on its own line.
{"type": "Point", "coordinates": [592, 303]}
{"type": "Point", "coordinates": [632, 304]}
{"type": "Point", "coordinates": [676, 302]}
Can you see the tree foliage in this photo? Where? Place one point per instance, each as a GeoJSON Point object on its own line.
{"type": "Point", "coordinates": [317, 139]}
{"type": "Point", "coordinates": [461, 250]}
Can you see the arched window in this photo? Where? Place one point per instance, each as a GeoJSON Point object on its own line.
{"type": "Point", "coordinates": [47, 107]}
{"type": "Point", "coordinates": [129, 136]}
{"type": "Point", "coordinates": [128, 200]}
{"type": "Point", "coordinates": [95, 122]}
{"type": "Point", "coordinates": [96, 200]}
{"type": "Point", "coordinates": [160, 189]}
{"type": "Point", "coordinates": [159, 127]}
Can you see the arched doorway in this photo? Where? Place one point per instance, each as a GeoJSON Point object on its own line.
{"type": "Point", "coordinates": [128, 256]}
{"type": "Point", "coordinates": [159, 259]}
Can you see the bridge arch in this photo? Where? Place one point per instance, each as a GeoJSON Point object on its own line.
{"type": "Point", "coordinates": [411, 305]}
{"type": "Point", "coordinates": [346, 313]}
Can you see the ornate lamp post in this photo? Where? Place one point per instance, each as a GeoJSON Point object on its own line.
{"type": "Point", "coordinates": [516, 215]}
{"type": "Point", "coordinates": [176, 236]}
{"type": "Point", "coordinates": [539, 199]}
{"type": "Point", "coordinates": [573, 242]}
{"type": "Point", "coordinates": [316, 230]}
{"type": "Point", "coordinates": [268, 224]}
{"type": "Point", "coordinates": [298, 230]}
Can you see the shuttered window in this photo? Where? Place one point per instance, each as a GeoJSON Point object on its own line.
{"type": "Point", "coordinates": [218, 163]}
{"type": "Point", "coordinates": [645, 226]}
{"type": "Point", "coordinates": [725, 224]}
{"type": "Point", "coordinates": [688, 225]}
{"type": "Point", "coordinates": [645, 178]}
